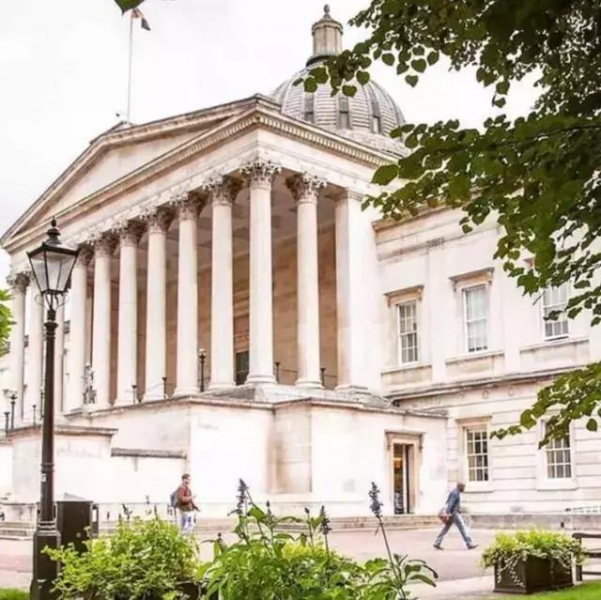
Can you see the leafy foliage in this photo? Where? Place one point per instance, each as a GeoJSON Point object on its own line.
{"type": "Point", "coordinates": [509, 549]}
{"type": "Point", "coordinates": [141, 560]}
{"type": "Point", "coordinates": [538, 175]}
{"type": "Point", "coordinates": [268, 562]}
{"type": "Point", "coordinates": [5, 319]}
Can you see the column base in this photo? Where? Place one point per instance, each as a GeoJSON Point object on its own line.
{"type": "Point", "coordinates": [305, 382]}
{"type": "Point", "coordinates": [253, 379]}
{"type": "Point", "coordinates": [347, 388]}
{"type": "Point", "coordinates": [218, 386]}
{"type": "Point", "coordinates": [45, 570]}
{"type": "Point", "coordinates": [190, 391]}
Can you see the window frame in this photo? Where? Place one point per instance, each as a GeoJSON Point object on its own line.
{"type": "Point", "coordinates": [464, 293]}
{"type": "Point", "coordinates": [407, 302]}
{"type": "Point", "coordinates": [544, 482]}
{"type": "Point", "coordinates": [344, 108]}
{"type": "Point", "coordinates": [476, 428]}
{"type": "Point", "coordinates": [544, 307]}
{"type": "Point", "coordinates": [309, 108]}
{"type": "Point", "coordinates": [475, 423]}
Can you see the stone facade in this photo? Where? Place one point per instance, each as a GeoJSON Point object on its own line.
{"type": "Point", "coordinates": [337, 348]}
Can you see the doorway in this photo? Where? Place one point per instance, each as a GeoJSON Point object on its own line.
{"type": "Point", "coordinates": [403, 492]}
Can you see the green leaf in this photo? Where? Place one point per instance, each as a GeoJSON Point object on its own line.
{"type": "Point", "coordinates": [412, 80]}
{"type": "Point", "coordinates": [384, 175]}
{"type": "Point", "coordinates": [419, 65]}
{"type": "Point", "coordinates": [310, 85]}
{"type": "Point", "coordinates": [363, 77]}
{"type": "Point", "coordinates": [349, 90]}
{"type": "Point", "coordinates": [592, 425]}
{"type": "Point", "coordinates": [388, 58]}
{"type": "Point", "coordinates": [433, 57]}
{"type": "Point", "coordinates": [126, 5]}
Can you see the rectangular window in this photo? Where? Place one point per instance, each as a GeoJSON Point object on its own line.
{"type": "Point", "coordinates": [475, 302]}
{"type": "Point", "coordinates": [408, 332]}
{"type": "Point", "coordinates": [344, 115]}
{"type": "Point", "coordinates": [309, 108]}
{"type": "Point", "coordinates": [559, 459]}
{"type": "Point", "coordinates": [476, 444]}
{"type": "Point", "coordinates": [555, 300]}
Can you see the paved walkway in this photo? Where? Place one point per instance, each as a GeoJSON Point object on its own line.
{"type": "Point", "coordinates": [459, 573]}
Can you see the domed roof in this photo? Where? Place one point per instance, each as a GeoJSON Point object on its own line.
{"type": "Point", "coordinates": [367, 117]}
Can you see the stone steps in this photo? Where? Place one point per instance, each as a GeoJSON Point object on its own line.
{"type": "Point", "coordinates": [22, 530]}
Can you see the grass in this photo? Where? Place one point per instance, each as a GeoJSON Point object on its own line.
{"type": "Point", "coordinates": [586, 591]}
{"type": "Point", "coordinates": [11, 594]}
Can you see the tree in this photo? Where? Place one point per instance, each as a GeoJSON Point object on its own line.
{"type": "Point", "coordinates": [5, 319]}
{"type": "Point", "coordinates": [537, 175]}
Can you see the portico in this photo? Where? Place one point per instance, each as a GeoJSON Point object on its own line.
{"type": "Point", "coordinates": [215, 266]}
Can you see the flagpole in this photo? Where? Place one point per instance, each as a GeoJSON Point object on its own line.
{"type": "Point", "coordinates": [129, 74]}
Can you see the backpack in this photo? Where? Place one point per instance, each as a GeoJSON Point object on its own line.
{"type": "Point", "coordinates": [173, 499]}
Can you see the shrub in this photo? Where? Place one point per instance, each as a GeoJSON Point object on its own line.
{"type": "Point", "coordinates": [509, 549]}
{"type": "Point", "coordinates": [142, 560]}
{"type": "Point", "coordinates": [268, 563]}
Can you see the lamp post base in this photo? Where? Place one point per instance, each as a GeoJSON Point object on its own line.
{"type": "Point", "coordinates": [45, 570]}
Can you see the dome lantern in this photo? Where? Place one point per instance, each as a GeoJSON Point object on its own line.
{"type": "Point", "coordinates": [327, 37]}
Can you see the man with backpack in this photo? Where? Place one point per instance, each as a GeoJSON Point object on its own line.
{"type": "Point", "coordinates": [183, 500]}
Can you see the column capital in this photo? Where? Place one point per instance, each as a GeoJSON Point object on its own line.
{"type": "Point", "coordinates": [104, 245]}
{"type": "Point", "coordinates": [129, 232]}
{"type": "Point", "coordinates": [19, 281]}
{"type": "Point", "coordinates": [159, 220]}
{"type": "Point", "coordinates": [223, 190]}
{"type": "Point", "coordinates": [305, 187]}
{"type": "Point", "coordinates": [85, 255]}
{"type": "Point", "coordinates": [260, 173]}
{"type": "Point", "coordinates": [188, 206]}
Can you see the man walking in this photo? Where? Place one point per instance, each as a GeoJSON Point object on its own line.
{"type": "Point", "coordinates": [184, 502]}
{"type": "Point", "coordinates": [451, 515]}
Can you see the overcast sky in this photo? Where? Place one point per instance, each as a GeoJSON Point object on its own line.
{"type": "Point", "coordinates": [63, 74]}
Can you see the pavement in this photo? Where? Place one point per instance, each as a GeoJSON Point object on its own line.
{"type": "Point", "coordinates": [458, 569]}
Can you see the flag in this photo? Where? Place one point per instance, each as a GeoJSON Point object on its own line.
{"type": "Point", "coordinates": [126, 5]}
{"type": "Point", "coordinates": [137, 14]}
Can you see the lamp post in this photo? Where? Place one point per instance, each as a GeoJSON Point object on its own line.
{"type": "Point", "coordinates": [202, 356]}
{"type": "Point", "coordinates": [51, 265]}
{"type": "Point", "coordinates": [13, 403]}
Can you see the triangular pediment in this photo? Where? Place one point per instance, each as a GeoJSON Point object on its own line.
{"type": "Point", "coordinates": [120, 151]}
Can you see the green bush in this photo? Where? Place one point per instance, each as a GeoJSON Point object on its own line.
{"type": "Point", "coordinates": [268, 563]}
{"type": "Point", "coordinates": [11, 594]}
{"type": "Point", "coordinates": [142, 560]}
{"type": "Point", "coordinates": [509, 549]}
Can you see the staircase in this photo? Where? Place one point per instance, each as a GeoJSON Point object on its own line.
{"type": "Point", "coordinates": [23, 530]}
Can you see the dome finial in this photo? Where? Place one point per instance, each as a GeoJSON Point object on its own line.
{"type": "Point", "coordinates": [327, 37]}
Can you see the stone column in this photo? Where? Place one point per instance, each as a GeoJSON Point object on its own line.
{"type": "Point", "coordinates": [187, 298]}
{"type": "Point", "coordinates": [156, 303]}
{"type": "Point", "coordinates": [78, 334]}
{"type": "Point", "coordinates": [18, 283]}
{"type": "Point", "coordinates": [35, 355]}
{"type": "Point", "coordinates": [305, 189]}
{"type": "Point", "coordinates": [101, 325]}
{"type": "Point", "coordinates": [349, 293]}
{"type": "Point", "coordinates": [223, 193]}
{"type": "Point", "coordinates": [127, 349]}
{"type": "Point", "coordinates": [260, 175]}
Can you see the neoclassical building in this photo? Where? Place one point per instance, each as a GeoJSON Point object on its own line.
{"type": "Point", "coordinates": [234, 312]}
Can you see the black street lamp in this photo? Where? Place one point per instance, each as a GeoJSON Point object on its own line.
{"type": "Point", "coordinates": [13, 404]}
{"type": "Point", "coordinates": [51, 264]}
{"type": "Point", "coordinates": [6, 422]}
{"type": "Point", "coordinates": [202, 356]}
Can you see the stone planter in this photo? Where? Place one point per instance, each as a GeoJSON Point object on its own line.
{"type": "Point", "coordinates": [533, 575]}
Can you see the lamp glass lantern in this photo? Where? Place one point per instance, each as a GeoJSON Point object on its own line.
{"type": "Point", "coordinates": [52, 264]}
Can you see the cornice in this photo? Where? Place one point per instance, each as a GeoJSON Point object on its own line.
{"type": "Point", "coordinates": [261, 115]}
